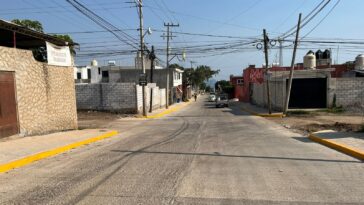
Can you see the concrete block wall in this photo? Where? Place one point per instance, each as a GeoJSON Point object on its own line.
{"type": "Point", "coordinates": [45, 94]}
{"type": "Point", "coordinates": [157, 99]}
{"type": "Point", "coordinates": [88, 96]}
{"type": "Point", "coordinates": [117, 97]}
{"type": "Point", "coordinates": [349, 92]}
{"type": "Point", "coordinates": [277, 93]}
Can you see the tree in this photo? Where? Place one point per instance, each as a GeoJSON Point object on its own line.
{"type": "Point", "coordinates": [201, 74]}
{"type": "Point", "coordinates": [225, 87]}
{"type": "Point", "coordinates": [31, 24]}
{"type": "Point", "coordinates": [40, 53]}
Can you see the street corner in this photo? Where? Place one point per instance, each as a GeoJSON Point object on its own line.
{"type": "Point", "coordinates": [346, 142]}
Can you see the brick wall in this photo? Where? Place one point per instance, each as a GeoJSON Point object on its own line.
{"type": "Point", "coordinates": [45, 93]}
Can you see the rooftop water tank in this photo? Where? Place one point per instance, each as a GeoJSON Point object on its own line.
{"type": "Point", "coordinates": [310, 52]}
{"type": "Point", "coordinates": [318, 54]}
{"type": "Point", "coordinates": [326, 54]}
{"type": "Point", "coordinates": [359, 62]}
{"type": "Point", "coordinates": [94, 63]}
{"type": "Point", "coordinates": [309, 61]}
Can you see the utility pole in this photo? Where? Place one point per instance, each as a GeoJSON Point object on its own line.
{"type": "Point", "coordinates": [288, 92]}
{"type": "Point", "coordinates": [141, 33]}
{"type": "Point", "coordinates": [168, 36]}
{"type": "Point", "coordinates": [266, 41]}
{"type": "Point", "coordinates": [280, 52]}
{"type": "Point", "coordinates": [152, 58]}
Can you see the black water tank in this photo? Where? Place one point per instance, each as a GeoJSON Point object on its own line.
{"type": "Point", "coordinates": [310, 52]}
{"type": "Point", "coordinates": [326, 54]}
{"type": "Point", "coordinates": [318, 54]}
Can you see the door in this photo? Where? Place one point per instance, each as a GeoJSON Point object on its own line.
{"type": "Point", "coordinates": [8, 109]}
{"type": "Point", "coordinates": [308, 93]}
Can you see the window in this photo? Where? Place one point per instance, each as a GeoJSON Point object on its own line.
{"type": "Point", "coordinates": [99, 69]}
{"type": "Point", "coordinates": [239, 81]}
{"type": "Point", "coordinates": [78, 76]}
{"type": "Point", "coordinates": [88, 73]}
{"type": "Point", "coordinates": [105, 74]}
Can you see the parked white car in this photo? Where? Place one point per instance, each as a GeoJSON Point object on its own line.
{"type": "Point", "coordinates": [212, 98]}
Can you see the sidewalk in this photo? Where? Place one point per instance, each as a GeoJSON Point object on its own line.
{"type": "Point", "coordinates": [25, 150]}
{"type": "Point", "coordinates": [163, 111]}
{"type": "Point", "coordinates": [351, 143]}
{"type": "Point", "coordinates": [255, 110]}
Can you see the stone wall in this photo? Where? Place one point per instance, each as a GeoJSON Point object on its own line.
{"type": "Point", "coordinates": [117, 97]}
{"type": "Point", "coordinates": [45, 93]}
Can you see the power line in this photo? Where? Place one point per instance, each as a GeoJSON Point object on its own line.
{"type": "Point", "coordinates": [328, 13]}
{"type": "Point", "coordinates": [121, 35]}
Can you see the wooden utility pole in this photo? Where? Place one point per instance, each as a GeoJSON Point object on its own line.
{"type": "Point", "coordinates": [266, 41]}
{"type": "Point", "coordinates": [288, 91]}
{"type": "Point", "coordinates": [168, 36]}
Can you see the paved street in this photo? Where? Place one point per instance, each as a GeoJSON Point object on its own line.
{"type": "Point", "coordinates": [198, 155]}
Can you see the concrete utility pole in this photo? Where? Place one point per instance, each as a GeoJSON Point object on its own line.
{"type": "Point", "coordinates": [266, 69]}
{"type": "Point", "coordinates": [152, 57]}
{"type": "Point", "coordinates": [288, 91]}
{"type": "Point", "coordinates": [141, 33]}
{"type": "Point", "coordinates": [168, 36]}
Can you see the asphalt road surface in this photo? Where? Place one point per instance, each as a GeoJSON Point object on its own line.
{"type": "Point", "coordinates": [198, 155]}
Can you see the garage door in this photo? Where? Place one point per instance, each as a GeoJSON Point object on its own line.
{"type": "Point", "coordinates": [308, 93]}
{"type": "Point", "coordinates": [8, 114]}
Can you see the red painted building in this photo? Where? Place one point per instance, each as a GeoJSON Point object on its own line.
{"type": "Point", "coordinates": [237, 82]}
{"type": "Point", "coordinates": [255, 75]}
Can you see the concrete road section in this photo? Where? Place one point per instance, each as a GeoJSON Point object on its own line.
{"type": "Point", "coordinates": [198, 155]}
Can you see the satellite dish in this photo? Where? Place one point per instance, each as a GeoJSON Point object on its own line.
{"type": "Point", "coordinates": [149, 31]}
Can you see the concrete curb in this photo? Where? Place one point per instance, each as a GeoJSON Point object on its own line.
{"type": "Point", "coordinates": [339, 147]}
{"type": "Point", "coordinates": [49, 153]}
{"type": "Point", "coordinates": [263, 115]}
{"type": "Point", "coordinates": [166, 112]}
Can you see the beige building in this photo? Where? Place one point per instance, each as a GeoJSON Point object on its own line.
{"type": "Point", "coordinates": [35, 97]}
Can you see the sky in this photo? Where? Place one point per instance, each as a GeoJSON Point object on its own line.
{"type": "Point", "coordinates": [231, 29]}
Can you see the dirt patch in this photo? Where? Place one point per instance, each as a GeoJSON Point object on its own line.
{"type": "Point", "coordinates": [96, 119]}
{"type": "Point", "coordinates": [316, 121]}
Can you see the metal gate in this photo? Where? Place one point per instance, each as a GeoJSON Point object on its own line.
{"type": "Point", "coordinates": [308, 93]}
{"type": "Point", "coordinates": [8, 109]}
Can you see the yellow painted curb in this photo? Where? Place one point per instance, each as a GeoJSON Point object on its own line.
{"type": "Point", "coordinates": [166, 112]}
{"type": "Point", "coordinates": [263, 115]}
{"type": "Point", "coordinates": [339, 147]}
{"type": "Point", "coordinates": [42, 155]}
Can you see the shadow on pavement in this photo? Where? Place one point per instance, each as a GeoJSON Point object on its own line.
{"type": "Point", "coordinates": [215, 154]}
{"type": "Point", "coordinates": [303, 139]}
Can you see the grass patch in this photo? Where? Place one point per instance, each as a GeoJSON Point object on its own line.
{"type": "Point", "coordinates": [335, 110]}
